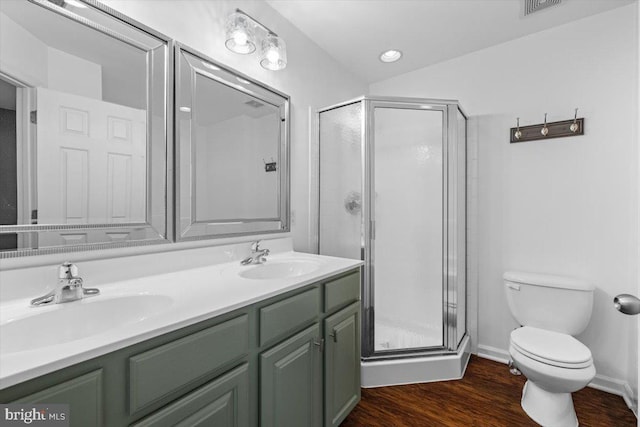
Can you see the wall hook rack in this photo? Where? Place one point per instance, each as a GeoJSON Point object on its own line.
{"type": "Point", "coordinates": [561, 129]}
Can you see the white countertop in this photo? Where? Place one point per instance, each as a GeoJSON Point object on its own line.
{"type": "Point", "coordinates": [187, 296]}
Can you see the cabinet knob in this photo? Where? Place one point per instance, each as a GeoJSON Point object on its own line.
{"type": "Point", "coordinates": [334, 335]}
{"type": "Point", "coordinates": [319, 343]}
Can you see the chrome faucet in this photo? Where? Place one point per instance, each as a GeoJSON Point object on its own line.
{"type": "Point", "coordinates": [258, 256]}
{"type": "Point", "coordinates": [69, 287]}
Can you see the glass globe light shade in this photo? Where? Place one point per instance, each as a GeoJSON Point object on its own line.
{"type": "Point", "coordinates": [239, 34]}
{"type": "Point", "coordinates": [273, 53]}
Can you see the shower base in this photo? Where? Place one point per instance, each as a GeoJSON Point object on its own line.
{"type": "Point", "coordinates": [393, 335]}
{"type": "Point", "coordinates": [424, 369]}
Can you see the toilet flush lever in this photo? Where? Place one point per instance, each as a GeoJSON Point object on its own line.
{"type": "Point", "coordinates": [627, 304]}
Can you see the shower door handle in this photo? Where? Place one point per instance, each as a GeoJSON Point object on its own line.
{"type": "Point", "coordinates": [627, 304]}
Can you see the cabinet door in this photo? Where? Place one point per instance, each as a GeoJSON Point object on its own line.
{"type": "Point", "coordinates": [83, 395]}
{"type": "Point", "coordinates": [291, 382]}
{"type": "Point", "coordinates": [342, 364]}
{"type": "Point", "coordinates": [224, 402]}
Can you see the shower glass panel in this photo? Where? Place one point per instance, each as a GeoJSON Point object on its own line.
{"type": "Point", "coordinates": [341, 182]}
{"type": "Point", "coordinates": [392, 193]}
{"type": "Point", "coordinates": [407, 250]}
{"type": "Point", "coordinates": [460, 215]}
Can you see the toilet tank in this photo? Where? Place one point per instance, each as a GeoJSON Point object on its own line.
{"type": "Point", "coordinates": [555, 303]}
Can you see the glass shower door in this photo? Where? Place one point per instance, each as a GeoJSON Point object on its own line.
{"type": "Point", "coordinates": [407, 210]}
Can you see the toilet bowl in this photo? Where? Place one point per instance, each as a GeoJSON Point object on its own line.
{"type": "Point", "coordinates": [555, 365]}
{"type": "Point", "coordinates": [551, 309]}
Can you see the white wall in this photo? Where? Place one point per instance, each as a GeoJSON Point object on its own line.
{"type": "Point", "coordinates": [230, 158]}
{"type": "Point", "coordinates": [71, 74]}
{"type": "Point", "coordinates": [45, 66]}
{"type": "Point", "coordinates": [566, 206]}
{"type": "Point", "coordinates": [312, 78]}
{"type": "Point", "coordinates": [14, 42]}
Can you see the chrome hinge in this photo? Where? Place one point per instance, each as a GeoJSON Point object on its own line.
{"type": "Point", "coordinates": [33, 116]}
{"type": "Point", "coordinates": [320, 344]}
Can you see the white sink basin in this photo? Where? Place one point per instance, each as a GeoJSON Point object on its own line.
{"type": "Point", "coordinates": [280, 269]}
{"type": "Point", "coordinates": [63, 323]}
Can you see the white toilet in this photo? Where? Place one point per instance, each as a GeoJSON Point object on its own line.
{"type": "Point", "coordinates": [551, 309]}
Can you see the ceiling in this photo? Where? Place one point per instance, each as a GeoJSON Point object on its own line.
{"type": "Point", "coordinates": [355, 32]}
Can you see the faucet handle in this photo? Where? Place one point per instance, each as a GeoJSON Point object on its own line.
{"type": "Point", "coordinates": [67, 271]}
{"type": "Point", "coordinates": [255, 246]}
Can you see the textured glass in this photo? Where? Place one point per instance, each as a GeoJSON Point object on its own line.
{"type": "Point", "coordinates": [407, 249]}
{"type": "Point", "coordinates": [340, 228]}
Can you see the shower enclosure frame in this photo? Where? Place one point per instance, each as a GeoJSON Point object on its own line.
{"type": "Point", "coordinates": [450, 314]}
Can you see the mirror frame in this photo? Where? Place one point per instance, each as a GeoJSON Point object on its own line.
{"type": "Point", "coordinates": [197, 230]}
{"type": "Point", "coordinates": [158, 225]}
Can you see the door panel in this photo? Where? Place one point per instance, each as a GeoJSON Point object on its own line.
{"type": "Point", "coordinates": [407, 246]}
{"type": "Point", "coordinates": [91, 159]}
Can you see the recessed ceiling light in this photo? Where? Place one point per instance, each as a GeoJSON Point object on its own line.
{"type": "Point", "coordinates": [210, 66]}
{"type": "Point", "coordinates": [391, 55]}
{"type": "Point", "coordinates": [75, 3]}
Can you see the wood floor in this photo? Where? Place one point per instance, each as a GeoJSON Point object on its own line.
{"type": "Point", "coordinates": [488, 395]}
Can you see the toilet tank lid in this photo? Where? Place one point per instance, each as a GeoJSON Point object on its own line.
{"type": "Point", "coordinates": [548, 280]}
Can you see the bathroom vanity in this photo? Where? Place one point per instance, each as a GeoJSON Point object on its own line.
{"type": "Point", "coordinates": [289, 359]}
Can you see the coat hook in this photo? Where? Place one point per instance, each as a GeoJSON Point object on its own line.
{"type": "Point", "coordinates": [545, 130]}
{"type": "Point", "coordinates": [518, 133]}
{"type": "Point", "coordinates": [574, 126]}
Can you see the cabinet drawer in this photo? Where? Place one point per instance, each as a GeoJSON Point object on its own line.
{"type": "Point", "coordinates": [222, 402]}
{"type": "Point", "coordinates": [342, 291]}
{"type": "Point", "coordinates": [288, 315]}
{"type": "Point", "coordinates": [165, 369]}
{"type": "Point", "coordinates": [83, 395]}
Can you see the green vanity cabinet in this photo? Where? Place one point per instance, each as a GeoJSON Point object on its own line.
{"type": "Point", "coordinates": [290, 360]}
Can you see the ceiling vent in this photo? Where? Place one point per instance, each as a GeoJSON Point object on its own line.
{"type": "Point", "coordinates": [531, 6]}
{"type": "Point", "coordinates": [255, 104]}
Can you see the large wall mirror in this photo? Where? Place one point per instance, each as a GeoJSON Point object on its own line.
{"type": "Point", "coordinates": [83, 125]}
{"type": "Point", "coordinates": [232, 148]}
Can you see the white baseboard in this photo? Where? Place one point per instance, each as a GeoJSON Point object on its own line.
{"type": "Point", "coordinates": [618, 387]}
{"type": "Point", "coordinates": [493, 353]}
{"type": "Point", "coordinates": [631, 399]}
{"type": "Point", "coordinates": [600, 382]}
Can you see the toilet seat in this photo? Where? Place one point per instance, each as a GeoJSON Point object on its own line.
{"type": "Point", "coordinates": [550, 347]}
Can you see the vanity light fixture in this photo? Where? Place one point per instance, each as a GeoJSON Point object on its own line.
{"type": "Point", "coordinates": [242, 37]}
{"type": "Point", "coordinates": [391, 55]}
{"type": "Point", "coordinates": [210, 66]}
{"type": "Point", "coordinates": [75, 3]}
